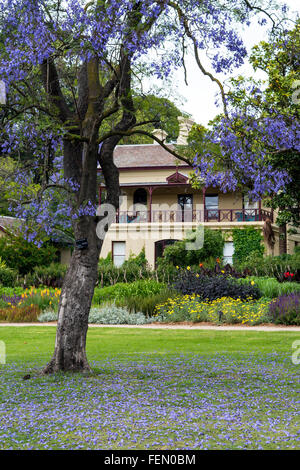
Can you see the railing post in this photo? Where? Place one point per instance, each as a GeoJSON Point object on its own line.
{"type": "Point", "coordinates": [150, 205]}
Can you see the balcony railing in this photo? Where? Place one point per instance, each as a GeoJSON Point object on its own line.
{"type": "Point", "coordinates": [198, 216]}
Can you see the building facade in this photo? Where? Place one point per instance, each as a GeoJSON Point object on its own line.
{"type": "Point", "coordinates": [159, 206]}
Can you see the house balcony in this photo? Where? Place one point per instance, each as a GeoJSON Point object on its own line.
{"type": "Point", "coordinates": [194, 216]}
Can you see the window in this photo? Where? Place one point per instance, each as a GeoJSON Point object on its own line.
{"type": "Point", "coordinates": [212, 206]}
{"type": "Point", "coordinates": [250, 205]}
{"type": "Point", "coordinates": [228, 253]}
{"type": "Point", "coordinates": [185, 202]}
{"type": "Point", "coordinates": [118, 250]}
{"type": "Point", "coordinates": [250, 209]}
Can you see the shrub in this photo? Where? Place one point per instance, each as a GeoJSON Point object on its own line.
{"type": "Point", "coordinates": [50, 276]}
{"type": "Point", "coordinates": [270, 287]}
{"type": "Point", "coordinates": [213, 245]}
{"type": "Point", "coordinates": [48, 316]}
{"type": "Point", "coordinates": [8, 276]}
{"type": "Point", "coordinates": [142, 288]}
{"type": "Point", "coordinates": [286, 309]}
{"type": "Point", "coordinates": [146, 304]}
{"type": "Point", "coordinates": [10, 291]}
{"type": "Point", "coordinates": [23, 256]}
{"type": "Point", "coordinates": [113, 315]}
{"type": "Point", "coordinates": [107, 315]}
{"type": "Point", "coordinates": [271, 266]}
{"type": "Point", "coordinates": [213, 287]}
{"type": "Point", "coordinates": [24, 314]}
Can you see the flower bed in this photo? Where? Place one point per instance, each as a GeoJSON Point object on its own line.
{"type": "Point", "coordinates": [223, 310]}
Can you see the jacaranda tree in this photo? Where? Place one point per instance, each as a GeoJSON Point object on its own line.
{"type": "Point", "coordinates": [68, 68]}
{"type": "Point", "coordinates": [255, 147]}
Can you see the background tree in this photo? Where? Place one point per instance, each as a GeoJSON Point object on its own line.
{"type": "Point", "coordinates": [257, 144]}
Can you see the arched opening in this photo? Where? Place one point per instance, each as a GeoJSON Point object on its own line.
{"type": "Point", "coordinates": [160, 247]}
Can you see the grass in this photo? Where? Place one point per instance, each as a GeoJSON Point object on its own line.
{"type": "Point", "coordinates": [156, 389]}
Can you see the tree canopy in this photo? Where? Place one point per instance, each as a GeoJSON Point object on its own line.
{"type": "Point", "coordinates": [257, 143]}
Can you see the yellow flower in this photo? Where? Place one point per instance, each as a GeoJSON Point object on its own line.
{"type": "Point", "coordinates": [188, 268]}
{"type": "Point", "coordinates": [252, 282]}
{"type": "Point", "coordinates": [177, 267]}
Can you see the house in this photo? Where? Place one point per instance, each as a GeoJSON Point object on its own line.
{"type": "Point", "coordinates": [159, 206]}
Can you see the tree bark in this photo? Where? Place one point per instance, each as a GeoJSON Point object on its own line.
{"type": "Point", "coordinates": [75, 303]}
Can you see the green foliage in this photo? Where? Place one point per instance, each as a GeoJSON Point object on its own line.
{"type": "Point", "coordinates": [270, 266]}
{"type": "Point", "coordinates": [147, 304]}
{"type": "Point", "coordinates": [213, 245]}
{"type": "Point", "coordinates": [133, 269]}
{"type": "Point", "coordinates": [8, 276]}
{"type": "Point", "coordinates": [142, 288]}
{"type": "Point", "coordinates": [246, 241]}
{"type": "Point", "coordinates": [270, 287]}
{"type": "Point", "coordinates": [148, 108]}
{"type": "Point", "coordinates": [51, 276]}
{"type": "Point", "coordinates": [23, 256]}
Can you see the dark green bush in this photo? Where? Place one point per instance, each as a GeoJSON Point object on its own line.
{"type": "Point", "coordinates": [8, 276]}
{"type": "Point", "coordinates": [213, 245]}
{"type": "Point", "coordinates": [50, 276]}
{"type": "Point", "coordinates": [23, 256]}
{"type": "Point", "coordinates": [147, 304]}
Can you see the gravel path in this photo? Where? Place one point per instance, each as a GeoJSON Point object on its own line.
{"type": "Point", "coordinates": [180, 326]}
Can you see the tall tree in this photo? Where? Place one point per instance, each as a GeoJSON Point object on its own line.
{"type": "Point", "coordinates": [257, 145]}
{"type": "Point", "coordinates": [92, 49]}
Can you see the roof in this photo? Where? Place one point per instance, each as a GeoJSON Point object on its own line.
{"type": "Point", "coordinates": [7, 223]}
{"type": "Point", "coordinates": [142, 156]}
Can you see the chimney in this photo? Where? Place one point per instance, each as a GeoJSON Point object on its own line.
{"type": "Point", "coordinates": [160, 134]}
{"type": "Point", "coordinates": [185, 125]}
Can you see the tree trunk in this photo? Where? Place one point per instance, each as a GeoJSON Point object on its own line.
{"type": "Point", "coordinates": [74, 306]}
{"type": "Point", "coordinates": [282, 239]}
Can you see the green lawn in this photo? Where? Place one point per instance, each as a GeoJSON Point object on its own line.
{"type": "Point", "coordinates": [156, 389]}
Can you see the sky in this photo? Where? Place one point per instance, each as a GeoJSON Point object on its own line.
{"type": "Point", "coordinates": [200, 94]}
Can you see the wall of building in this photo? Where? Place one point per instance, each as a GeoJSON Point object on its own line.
{"type": "Point", "coordinates": [144, 235]}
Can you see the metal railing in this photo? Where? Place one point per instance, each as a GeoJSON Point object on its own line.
{"type": "Point", "coordinates": [198, 216]}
